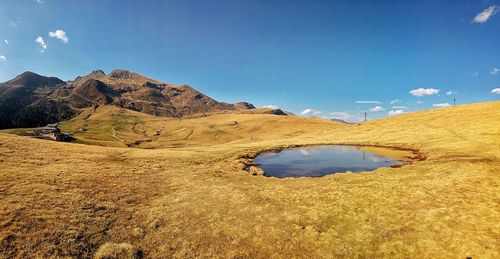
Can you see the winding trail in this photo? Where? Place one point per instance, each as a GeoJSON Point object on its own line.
{"type": "Point", "coordinates": [189, 134]}
{"type": "Point", "coordinates": [116, 137]}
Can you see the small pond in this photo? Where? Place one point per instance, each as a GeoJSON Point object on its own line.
{"type": "Point", "coordinates": [315, 161]}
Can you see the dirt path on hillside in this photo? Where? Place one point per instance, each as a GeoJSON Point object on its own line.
{"type": "Point", "coordinates": [116, 137]}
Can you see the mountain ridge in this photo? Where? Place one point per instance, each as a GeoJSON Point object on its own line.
{"type": "Point", "coordinates": [32, 100]}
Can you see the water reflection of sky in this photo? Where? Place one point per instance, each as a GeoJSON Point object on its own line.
{"type": "Point", "coordinates": [319, 161]}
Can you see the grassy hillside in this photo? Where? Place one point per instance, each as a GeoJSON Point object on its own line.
{"type": "Point", "coordinates": [192, 198]}
{"type": "Point", "coordinates": [112, 126]}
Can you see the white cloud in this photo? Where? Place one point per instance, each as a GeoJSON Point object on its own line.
{"type": "Point", "coordinates": [475, 74]}
{"type": "Point", "coordinates": [419, 102]}
{"type": "Point", "coordinates": [345, 117]}
{"type": "Point", "coordinates": [42, 43]}
{"type": "Point", "coordinates": [6, 42]}
{"type": "Point", "coordinates": [495, 91]}
{"type": "Point", "coordinates": [399, 107]}
{"type": "Point", "coordinates": [395, 112]}
{"type": "Point", "coordinates": [311, 112]}
{"type": "Point", "coordinates": [451, 92]}
{"type": "Point", "coordinates": [3, 58]}
{"type": "Point", "coordinates": [485, 15]}
{"type": "Point", "coordinates": [441, 105]}
{"type": "Point", "coordinates": [424, 91]}
{"type": "Point", "coordinates": [495, 71]}
{"type": "Point", "coordinates": [270, 106]}
{"type": "Point", "coordinates": [14, 23]}
{"type": "Point", "coordinates": [377, 109]}
{"type": "Point", "coordinates": [394, 101]}
{"type": "Point", "coordinates": [368, 102]}
{"type": "Point", "coordinates": [59, 34]}
{"type": "Point", "coordinates": [39, 1]}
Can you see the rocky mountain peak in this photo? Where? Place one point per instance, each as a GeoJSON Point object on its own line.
{"type": "Point", "coordinates": [120, 74]}
{"type": "Point", "coordinates": [97, 73]}
{"type": "Point", "coordinates": [31, 79]}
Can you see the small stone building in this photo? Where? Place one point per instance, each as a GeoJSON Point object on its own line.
{"type": "Point", "coordinates": [51, 131]}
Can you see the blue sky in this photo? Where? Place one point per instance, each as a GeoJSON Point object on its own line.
{"type": "Point", "coordinates": [317, 57]}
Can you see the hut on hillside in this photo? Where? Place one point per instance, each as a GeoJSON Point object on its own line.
{"type": "Point", "coordinates": [52, 131]}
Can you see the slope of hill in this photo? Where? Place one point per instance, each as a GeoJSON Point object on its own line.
{"type": "Point", "coordinates": [69, 200]}
{"type": "Point", "coordinates": [112, 126]}
{"type": "Point", "coordinates": [31, 100]}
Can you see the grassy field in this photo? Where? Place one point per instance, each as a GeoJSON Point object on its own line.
{"type": "Point", "coordinates": [184, 193]}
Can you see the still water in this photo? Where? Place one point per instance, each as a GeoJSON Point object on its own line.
{"type": "Point", "coordinates": [320, 161]}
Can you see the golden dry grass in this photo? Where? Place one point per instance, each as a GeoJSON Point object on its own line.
{"type": "Point", "coordinates": [191, 198]}
{"type": "Point", "coordinates": [112, 250]}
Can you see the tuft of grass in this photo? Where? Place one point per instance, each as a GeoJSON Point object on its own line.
{"type": "Point", "coordinates": [115, 251]}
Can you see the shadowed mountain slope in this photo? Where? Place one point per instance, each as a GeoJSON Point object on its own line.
{"type": "Point", "coordinates": [23, 101]}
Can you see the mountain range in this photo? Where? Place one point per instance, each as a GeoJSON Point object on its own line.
{"type": "Point", "coordinates": [32, 100]}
